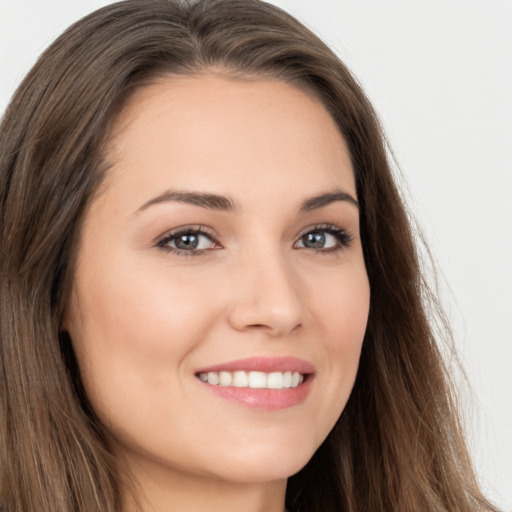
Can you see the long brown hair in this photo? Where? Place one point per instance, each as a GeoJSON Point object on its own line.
{"type": "Point", "coordinates": [398, 444]}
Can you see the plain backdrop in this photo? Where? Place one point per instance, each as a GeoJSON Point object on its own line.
{"type": "Point", "coordinates": [439, 73]}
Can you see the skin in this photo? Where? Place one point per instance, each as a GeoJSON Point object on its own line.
{"type": "Point", "coordinates": [145, 318]}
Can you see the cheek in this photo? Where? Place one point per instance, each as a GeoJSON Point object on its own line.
{"type": "Point", "coordinates": [348, 323]}
{"type": "Point", "coordinates": [133, 331]}
{"type": "Point", "coordinates": [342, 311]}
{"type": "Point", "coordinates": [135, 310]}
{"type": "Point", "coordinates": [342, 306]}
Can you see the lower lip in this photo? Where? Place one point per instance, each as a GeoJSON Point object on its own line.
{"type": "Point", "coordinates": [264, 399]}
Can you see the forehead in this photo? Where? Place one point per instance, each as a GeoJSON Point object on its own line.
{"type": "Point", "coordinates": [213, 133]}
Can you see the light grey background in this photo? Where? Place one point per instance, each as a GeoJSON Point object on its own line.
{"type": "Point", "coordinates": [440, 75]}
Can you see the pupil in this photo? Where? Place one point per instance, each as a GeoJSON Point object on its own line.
{"type": "Point", "coordinates": [189, 241]}
{"type": "Point", "coordinates": [314, 240]}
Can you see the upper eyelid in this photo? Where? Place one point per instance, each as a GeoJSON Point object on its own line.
{"type": "Point", "coordinates": [211, 234]}
{"type": "Point", "coordinates": [331, 229]}
{"type": "Point", "coordinates": [323, 227]}
{"type": "Point", "coordinates": [197, 228]}
{"type": "Point", "coordinates": [206, 230]}
{"type": "Point", "coordinates": [163, 241]}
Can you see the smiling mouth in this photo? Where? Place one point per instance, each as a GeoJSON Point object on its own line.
{"type": "Point", "coordinates": [253, 379]}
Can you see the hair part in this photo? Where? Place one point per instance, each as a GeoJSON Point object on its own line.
{"type": "Point", "coordinates": [397, 446]}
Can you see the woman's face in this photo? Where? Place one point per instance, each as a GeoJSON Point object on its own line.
{"type": "Point", "coordinates": [224, 246]}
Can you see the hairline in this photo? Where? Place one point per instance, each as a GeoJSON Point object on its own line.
{"type": "Point", "coordinates": [160, 77]}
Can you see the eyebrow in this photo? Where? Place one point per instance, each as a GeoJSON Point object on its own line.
{"type": "Point", "coordinates": [222, 203]}
{"type": "Point", "coordinates": [204, 200]}
{"type": "Point", "coordinates": [326, 199]}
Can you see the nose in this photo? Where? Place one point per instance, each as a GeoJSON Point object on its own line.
{"type": "Point", "coordinates": [267, 297]}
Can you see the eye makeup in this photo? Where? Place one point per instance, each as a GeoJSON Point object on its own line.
{"type": "Point", "coordinates": [188, 241]}
{"type": "Point", "coordinates": [314, 238]}
{"type": "Point", "coordinates": [196, 240]}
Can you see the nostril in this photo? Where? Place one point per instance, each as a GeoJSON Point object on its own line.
{"type": "Point", "coordinates": [264, 316]}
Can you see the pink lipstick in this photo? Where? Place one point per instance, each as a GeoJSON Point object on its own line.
{"type": "Point", "coordinates": [260, 382]}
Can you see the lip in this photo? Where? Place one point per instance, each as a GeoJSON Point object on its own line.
{"type": "Point", "coordinates": [263, 364]}
{"type": "Point", "coordinates": [263, 399]}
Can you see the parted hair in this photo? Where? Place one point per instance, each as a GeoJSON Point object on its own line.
{"type": "Point", "coordinates": [398, 445]}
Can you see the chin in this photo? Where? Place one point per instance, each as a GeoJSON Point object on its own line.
{"type": "Point", "coordinates": [263, 464]}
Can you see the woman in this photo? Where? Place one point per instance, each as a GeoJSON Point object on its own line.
{"type": "Point", "coordinates": [210, 292]}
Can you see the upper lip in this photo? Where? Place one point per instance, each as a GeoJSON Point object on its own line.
{"type": "Point", "coordinates": [263, 364]}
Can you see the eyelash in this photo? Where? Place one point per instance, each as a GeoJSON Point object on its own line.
{"type": "Point", "coordinates": [343, 238]}
{"type": "Point", "coordinates": [175, 235]}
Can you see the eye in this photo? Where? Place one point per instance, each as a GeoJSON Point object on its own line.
{"type": "Point", "coordinates": [189, 240]}
{"type": "Point", "coordinates": [325, 238]}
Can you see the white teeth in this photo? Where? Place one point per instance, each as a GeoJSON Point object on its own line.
{"type": "Point", "coordinates": [213, 378]}
{"type": "Point", "coordinates": [225, 379]}
{"type": "Point", "coordinates": [240, 379]}
{"type": "Point", "coordinates": [275, 380]}
{"type": "Point", "coordinates": [255, 380]}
